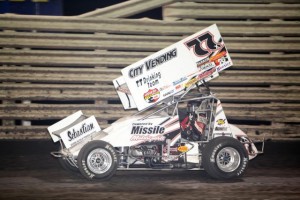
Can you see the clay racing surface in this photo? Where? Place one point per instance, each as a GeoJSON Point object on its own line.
{"type": "Point", "coordinates": [27, 171]}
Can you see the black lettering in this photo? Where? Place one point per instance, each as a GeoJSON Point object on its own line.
{"type": "Point", "coordinates": [76, 133]}
{"type": "Point", "coordinates": [162, 130]}
{"type": "Point", "coordinates": [208, 38]}
{"type": "Point", "coordinates": [150, 130]}
{"type": "Point", "coordinates": [91, 126]}
{"type": "Point", "coordinates": [147, 130]}
{"type": "Point", "coordinates": [70, 135]}
{"type": "Point", "coordinates": [202, 50]}
{"type": "Point", "coordinates": [135, 130]}
{"type": "Point", "coordinates": [161, 59]}
{"type": "Point", "coordinates": [196, 45]}
{"type": "Point", "coordinates": [155, 129]}
{"type": "Point", "coordinates": [134, 72]}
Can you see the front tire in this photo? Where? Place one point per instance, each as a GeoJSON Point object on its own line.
{"type": "Point", "coordinates": [225, 158]}
{"type": "Point", "coordinates": [97, 159]}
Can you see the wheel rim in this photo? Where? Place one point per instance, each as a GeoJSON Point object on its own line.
{"type": "Point", "coordinates": [228, 159]}
{"type": "Point", "coordinates": [99, 161]}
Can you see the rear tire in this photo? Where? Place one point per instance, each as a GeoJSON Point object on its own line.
{"type": "Point", "coordinates": [225, 158]}
{"type": "Point", "coordinates": [66, 165]}
{"type": "Point", "coordinates": [97, 159]}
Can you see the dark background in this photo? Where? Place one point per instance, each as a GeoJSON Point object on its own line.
{"type": "Point", "coordinates": [65, 7]}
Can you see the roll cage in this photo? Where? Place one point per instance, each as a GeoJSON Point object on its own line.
{"type": "Point", "coordinates": [170, 106]}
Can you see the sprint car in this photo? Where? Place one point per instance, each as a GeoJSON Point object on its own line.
{"type": "Point", "coordinates": [175, 127]}
{"type": "Point", "coordinates": [187, 133]}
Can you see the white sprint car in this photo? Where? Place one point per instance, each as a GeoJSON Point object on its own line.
{"type": "Point", "coordinates": [176, 128]}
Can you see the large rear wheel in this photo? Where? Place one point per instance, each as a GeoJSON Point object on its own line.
{"type": "Point", "coordinates": [225, 158]}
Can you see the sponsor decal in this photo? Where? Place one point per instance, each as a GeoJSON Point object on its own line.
{"type": "Point", "coordinates": [150, 80]}
{"type": "Point", "coordinates": [179, 81]}
{"type": "Point", "coordinates": [134, 72]}
{"type": "Point", "coordinates": [178, 87]}
{"type": "Point", "coordinates": [147, 132]}
{"type": "Point", "coordinates": [218, 56]}
{"type": "Point", "coordinates": [204, 44]}
{"type": "Point", "coordinates": [173, 150]}
{"type": "Point", "coordinates": [203, 61]}
{"type": "Point", "coordinates": [221, 128]}
{"type": "Point", "coordinates": [168, 93]}
{"type": "Point", "coordinates": [183, 149]}
{"type": "Point", "coordinates": [147, 138]}
{"type": "Point", "coordinates": [224, 66]}
{"type": "Point", "coordinates": [221, 122]}
{"type": "Point", "coordinates": [152, 63]}
{"type": "Point", "coordinates": [164, 87]}
{"type": "Point", "coordinates": [78, 132]}
{"type": "Point", "coordinates": [221, 125]}
{"type": "Point", "coordinates": [206, 74]}
{"type": "Point", "coordinates": [222, 61]}
{"type": "Point", "coordinates": [152, 95]}
{"type": "Point", "coordinates": [201, 76]}
{"type": "Point", "coordinates": [207, 66]}
{"type": "Point", "coordinates": [85, 128]}
{"type": "Point", "coordinates": [142, 129]}
{"type": "Point", "coordinates": [191, 82]}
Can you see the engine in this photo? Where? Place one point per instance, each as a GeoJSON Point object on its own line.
{"type": "Point", "coordinates": [148, 153]}
{"type": "Point", "coordinates": [144, 151]}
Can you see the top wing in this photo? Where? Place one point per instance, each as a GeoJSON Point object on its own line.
{"type": "Point", "coordinates": [171, 70]}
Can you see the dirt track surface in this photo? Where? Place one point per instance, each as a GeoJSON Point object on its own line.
{"type": "Point", "coordinates": [27, 171]}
